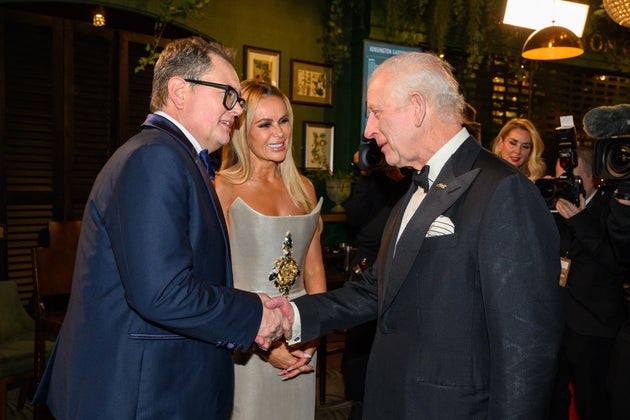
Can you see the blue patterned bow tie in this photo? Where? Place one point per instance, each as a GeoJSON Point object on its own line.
{"type": "Point", "coordinates": [210, 164]}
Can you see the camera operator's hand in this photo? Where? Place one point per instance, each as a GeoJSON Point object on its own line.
{"type": "Point", "coordinates": [622, 192]}
{"type": "Point", "coordinates": [567, 209]}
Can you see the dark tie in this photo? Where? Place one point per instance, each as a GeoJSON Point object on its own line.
{"type": "Point", "coordinates": [210, 164]}
{"type": "Point", "coordinates": [421, 179]}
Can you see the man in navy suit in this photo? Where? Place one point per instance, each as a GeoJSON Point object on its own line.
{"type": "Point", "coordinates": [153, 315]}
{"type": "Point", "coordinates": [465, 286]}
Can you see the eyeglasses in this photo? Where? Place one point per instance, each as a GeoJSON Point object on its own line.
{"type": "Point", "coordinates": [230, 98]}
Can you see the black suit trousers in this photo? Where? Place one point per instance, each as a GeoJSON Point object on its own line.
{"type": "Point", "coordinates": [584, 360]}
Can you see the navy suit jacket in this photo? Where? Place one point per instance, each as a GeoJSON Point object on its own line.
{"type": "Point", "coordinates": [469, 324]}
{"type": "Point", "coordinates": [153, 313]}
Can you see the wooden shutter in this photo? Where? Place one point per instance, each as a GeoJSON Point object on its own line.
{"type": "Point", "coordinates": [32, 133]}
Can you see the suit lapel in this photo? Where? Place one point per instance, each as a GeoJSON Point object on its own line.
{"type": "Point", "coordinates": [446, 189]}
{"type": "Point", "coordinates": [164, 124]}
{"type": "Point", "coordinates": [388, 240]}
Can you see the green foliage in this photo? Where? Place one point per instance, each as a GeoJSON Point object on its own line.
{"type": "Point", "coordinates": [468, 23]}
{"type": "Point", "coordinates": [334, 40]}
{"type": "Point", "coordinates": [168, 13]}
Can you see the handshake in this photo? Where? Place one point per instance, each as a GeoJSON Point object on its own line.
{"type": "Point", "coordinates": [277, 320]}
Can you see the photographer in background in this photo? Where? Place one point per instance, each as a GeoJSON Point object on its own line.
{"type": "Point", "coordinates": [375, 192]}
{"type": "Point", "coordinates": [619, 372]}
{"type": "Point", "coordinates": [610, 125]}
{"type": "Point", "coordinates": [594, 305]}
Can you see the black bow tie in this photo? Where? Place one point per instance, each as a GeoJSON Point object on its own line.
{"type": "Point", "coordinates": [421, 179]}
{"type": "Point", "coordinates": [210, 164]}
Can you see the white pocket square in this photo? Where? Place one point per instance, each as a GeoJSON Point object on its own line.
{"type": "Point", "coordinates": [441, 226]}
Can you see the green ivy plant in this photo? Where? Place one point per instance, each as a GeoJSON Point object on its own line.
{"type": "Point", "coordinates": [469, 23]}
{"type": "Point", "coordinates": [168, 12]}
{"type": "Point", "coordinates": [335, 43]}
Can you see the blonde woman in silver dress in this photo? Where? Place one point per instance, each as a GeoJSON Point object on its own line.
{"type": "Point", "coordinates": [274, 226]}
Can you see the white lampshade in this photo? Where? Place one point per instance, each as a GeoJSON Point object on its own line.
{"type": "Point", "coordinates": [564, 13]}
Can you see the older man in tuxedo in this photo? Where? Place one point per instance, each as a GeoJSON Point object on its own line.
{"type": "Point", "coordinates": [153, 315]}
{"type": "Point", "coordinates": [465, 287]}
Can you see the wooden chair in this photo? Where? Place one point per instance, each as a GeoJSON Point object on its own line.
{"type": "Point", "coordinates": [53, 267]}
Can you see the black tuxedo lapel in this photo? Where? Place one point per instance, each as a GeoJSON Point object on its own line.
{"type": "Point", "coordinates": [163, 124]}
{"type": "Point", "coordinates": [388, 240]}
{"type": "Point", "coordinates": [446, 189]}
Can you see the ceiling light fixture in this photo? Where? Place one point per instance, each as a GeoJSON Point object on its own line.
{"type": "Point", "coordinates": [98, 19]}
{"type": "Point", "coordinates": [619, 11]}
{"type": "Point", "coordinates": [552, 43]}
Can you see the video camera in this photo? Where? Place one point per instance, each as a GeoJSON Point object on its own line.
{"type": "Point", "coordinates": [610, 126]}
{"type": "Point", "coordinates": [370, 156]}
{"type": "Point", "coordinates": [611, 158]}
{"type": "Point", "coordinates": [568, 185]}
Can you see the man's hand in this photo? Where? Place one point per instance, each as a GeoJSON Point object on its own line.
{"type": "Point", "coordinates": [567, 209]}
{"type": "Point", "coordinates": [283, 304]}
{"type": "Point", "coordinates": [274, 323]}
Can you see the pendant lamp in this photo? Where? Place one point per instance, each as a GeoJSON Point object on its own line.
{"type": "Point", "coordinates": [552, 43]}
{"type": "Point", "coordinates": [619, 11]}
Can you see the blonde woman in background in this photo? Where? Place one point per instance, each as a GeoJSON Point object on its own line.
{"type": "Point", "coordinates": [273, 219]}
{"type": "Point", "coordinates": [520, 144]}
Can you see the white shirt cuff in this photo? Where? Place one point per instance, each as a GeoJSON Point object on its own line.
{"type": "Point", "coordinates": [296, 328]}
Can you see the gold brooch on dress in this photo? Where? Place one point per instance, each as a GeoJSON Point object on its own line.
{"type": "Point", "coordinates": [285, 270]}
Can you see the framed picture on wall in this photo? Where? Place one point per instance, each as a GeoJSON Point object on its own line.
{"type": "Point", "coordinates": [261, 64]}
{"type": "Point", "coordinates": [311, 83]}
{"type": "Point", "coordinates": [318, 145]}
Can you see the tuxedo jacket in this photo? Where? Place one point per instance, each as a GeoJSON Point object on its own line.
{"type": "Point", "coordinates": [153, 313]}
{"type": "Point", "coordinates": [468, 323]}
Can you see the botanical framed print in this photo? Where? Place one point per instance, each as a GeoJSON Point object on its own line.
{"type": "Point", "coordinates": [318, 145]}
{"type": "Point", "coordinates": [261, 64]}
{"type": "Point", "coordinates": [311, 83]}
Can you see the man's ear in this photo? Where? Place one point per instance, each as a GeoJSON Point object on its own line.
{"type": "Point", "coordinates": [177, 91]}
{"type": "Point", "coordinates": [419, 108]}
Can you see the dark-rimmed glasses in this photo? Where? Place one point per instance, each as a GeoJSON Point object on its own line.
{"type": "Point", "coordinates": [230, 98]}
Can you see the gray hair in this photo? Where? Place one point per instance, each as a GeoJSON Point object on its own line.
{"type": "Point", "coordinates": [430, 76]}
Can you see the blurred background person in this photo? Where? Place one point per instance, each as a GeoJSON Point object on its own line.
{"type": "Point", "coordinates": [606, 122]}
{"type": "Point", "coordinates": [594, 299]}
{"type": "Point", "coordinates": [619, 371]}
{"type": "Point", "coordinates": [273, 223]}
{"type": "Point", "coordinates": [376, 191]}
{"type": "Point", "coordinates": [519, 143]}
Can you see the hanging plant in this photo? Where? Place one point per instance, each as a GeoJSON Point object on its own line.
{"type": "Point", "coordinates": [168, 13]}
{"type": "Point", "coordinates": [334, 40]}
{"type": "Point", "coordinates": [435, 22]}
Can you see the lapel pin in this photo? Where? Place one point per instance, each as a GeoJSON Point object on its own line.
{"type": "Point", "coordinates": [441, 186]}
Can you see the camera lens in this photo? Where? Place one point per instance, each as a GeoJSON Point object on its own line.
{"type": "Point", "coordinates": [547, 188]}
{"type": "Point", "coordinates": [618, 160]}
{"type": "Point", "coordinates": [371, 157]}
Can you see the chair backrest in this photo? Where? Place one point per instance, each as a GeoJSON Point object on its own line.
{"type": "Point", "coordinates": [64, 233]}
{"type": "Point", "coordinates": [52, 270]}
{"type": "Point", "coordinates": [53, 266]}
